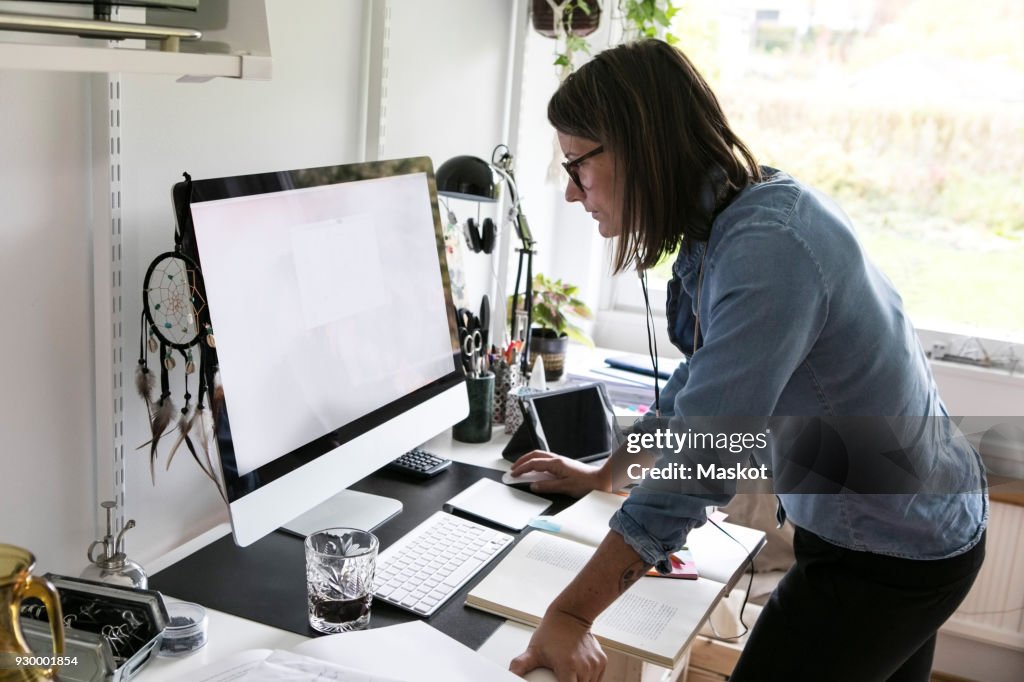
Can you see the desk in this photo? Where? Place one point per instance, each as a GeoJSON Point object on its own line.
{"type": "Point", "coordinates": [227, 635]}
{"type": "Point", "coordinates": [265, 582]}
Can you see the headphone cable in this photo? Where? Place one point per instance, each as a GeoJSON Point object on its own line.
{"type": "Point", "coordinates": [746, 597]}
{"type": "Point", "coordinates": [652, 340]}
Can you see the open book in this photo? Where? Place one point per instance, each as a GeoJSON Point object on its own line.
{"type": "Point", "coordinates": [411, 652]}
{"type": "Point", "coordinates": [655, 620]}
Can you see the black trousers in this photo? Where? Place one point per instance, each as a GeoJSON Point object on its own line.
{"type": "Point", "coordinates": [840, 615]}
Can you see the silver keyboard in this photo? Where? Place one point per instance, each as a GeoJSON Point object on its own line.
{"type": "Point", "coordinates": [429, 564]}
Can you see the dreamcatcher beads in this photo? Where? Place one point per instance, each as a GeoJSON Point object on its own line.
{"type": "Point", "coordinates": [169, 361]}
{"type": "Point", "coordinates": [210, 340]}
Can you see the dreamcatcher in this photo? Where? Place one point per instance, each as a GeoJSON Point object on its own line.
{"type": "Point", "coordinates": [173, 303]}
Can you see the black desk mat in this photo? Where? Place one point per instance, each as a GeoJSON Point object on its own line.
{"type": "Point", "coordinates": [266, 581]}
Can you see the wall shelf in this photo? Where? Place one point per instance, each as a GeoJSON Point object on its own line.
{"type": "Point", "coordinates": [125, 60]}
{"type": "Point", "coordinates": [235, 44]}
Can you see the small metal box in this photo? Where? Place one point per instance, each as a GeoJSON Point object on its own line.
{"type": "Point", "coordinates": [113, 631]}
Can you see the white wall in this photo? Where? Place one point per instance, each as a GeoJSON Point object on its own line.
{"type": "Point", "coordinates": [307, 115]}
{"type": "Point", "coordinates": [446, 90]}
{"type": "Point", "coordinates": [47, 411]}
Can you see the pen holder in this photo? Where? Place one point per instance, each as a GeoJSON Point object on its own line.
{"type": "Point", "coordinates": [513, 412]}
{"type": "Point", "coordinates": [476, 428]}
{"type": "Point", "coordinates": [506, 378]}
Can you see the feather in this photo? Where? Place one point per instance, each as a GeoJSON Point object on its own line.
{"type": "Point", "coordinates": [202, 426]}
{"type": "Point", "coordinates": [184, 426]}
{"type": "Point", "coordinates": [144, 381]}
{"type": "Point", "coordinates": [209, 472]}
{"type": "Point", "coordinates": [195, 456]}
{"type": "Point", "coordinates": [162, 417]}
{"type": "Point", "coordinates": [217, 397]}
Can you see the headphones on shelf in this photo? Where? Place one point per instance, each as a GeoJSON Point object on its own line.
{"type": "Point", "coordinates": [480, 239]}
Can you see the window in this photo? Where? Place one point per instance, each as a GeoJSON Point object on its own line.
{"type": "Point", "coordinates": [910, 113]}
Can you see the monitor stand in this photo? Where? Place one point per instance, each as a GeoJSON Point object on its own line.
{"type": "Point", "coordinates": [347, 509]}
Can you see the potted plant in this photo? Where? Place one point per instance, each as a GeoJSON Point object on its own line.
{"type": "Point", "coordinates": [568, 22]}
{"type": "Point", "coordinates": [577, 19]}
{"type": "Point", "coordinates": [556, 307]}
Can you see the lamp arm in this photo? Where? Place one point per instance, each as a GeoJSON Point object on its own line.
{"type": "Point", "coordinates": [528, 304]}
{"type": "Point", "coordinates": [511, 183]}
{"type": "Point", "coordinates": [517, 208]}
{"type": "Point", "coordinates": [504, 168]}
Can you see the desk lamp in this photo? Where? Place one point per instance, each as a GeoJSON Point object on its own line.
{"type": "Point", "coordinates": [472, 178]}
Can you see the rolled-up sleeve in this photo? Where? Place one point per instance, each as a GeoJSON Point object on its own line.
{"type": "Point", "coordinates": [656, 524]}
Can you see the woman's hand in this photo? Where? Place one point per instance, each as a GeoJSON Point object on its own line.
{"type": "Point", "coordinates": [570, 477]}
{"type": "Point", "coordinates": [564, 644]}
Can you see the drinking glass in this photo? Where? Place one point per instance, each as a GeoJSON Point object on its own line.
{"type": "Point", "coordinates": [339, 578]}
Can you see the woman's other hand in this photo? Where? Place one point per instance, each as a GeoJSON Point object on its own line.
{"type": "Point", "coordinates": [564, 644]}
{"type": "Point", "coordinates": [570, 477]}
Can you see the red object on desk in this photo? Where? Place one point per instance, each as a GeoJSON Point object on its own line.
{"type": "Point", "coordinates": [683, 569]}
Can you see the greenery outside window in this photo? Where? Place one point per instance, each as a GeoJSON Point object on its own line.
{"type": "Point", "coordinates": [910, 113]}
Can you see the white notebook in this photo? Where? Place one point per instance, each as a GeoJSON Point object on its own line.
{"type": "Point", "coordinates": [499, 504]}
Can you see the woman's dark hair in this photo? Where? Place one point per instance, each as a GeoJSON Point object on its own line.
{"type": "Point", "coordinates": [648, 105]}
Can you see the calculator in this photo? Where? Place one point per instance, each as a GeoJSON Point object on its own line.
{"type": "Point", "coordinates": [419, 464]}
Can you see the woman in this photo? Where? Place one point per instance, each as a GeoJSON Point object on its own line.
{"type": "Point", "coordinates": [780, 313]}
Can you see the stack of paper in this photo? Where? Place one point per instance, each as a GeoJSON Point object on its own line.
{"type": "Point", "coordinates": [426, 655]}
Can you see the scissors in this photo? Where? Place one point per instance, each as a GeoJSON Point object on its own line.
{"type": "Point", "coordinates": [472, 347]}
{"type": "Point", "coordinates": [471, 340]}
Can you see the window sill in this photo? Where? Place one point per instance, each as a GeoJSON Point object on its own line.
{"type": "Point", "coordinates": [625, 330]}
{"type": "Point", "coordinates": [996, 375]}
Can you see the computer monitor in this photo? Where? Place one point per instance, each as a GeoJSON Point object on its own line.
{"type": "Point", "coordinates": [327, 294]}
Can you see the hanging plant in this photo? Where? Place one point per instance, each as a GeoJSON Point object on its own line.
{"type": "Point", "coordinates": [579, 17]}
{"type": "Point", "coordinates": [646, 18]}
{"type": "Point", "coordinates": [568, 22]}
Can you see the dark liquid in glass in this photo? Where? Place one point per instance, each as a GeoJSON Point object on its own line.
{"type": "Point", "coordinates": [341, 610]}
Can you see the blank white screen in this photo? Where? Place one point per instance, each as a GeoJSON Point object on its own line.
{"type": "Point", "coordinates": [326, 303]}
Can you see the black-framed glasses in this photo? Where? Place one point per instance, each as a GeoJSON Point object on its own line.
{"type": "Point", "coordinates": [572, 166]}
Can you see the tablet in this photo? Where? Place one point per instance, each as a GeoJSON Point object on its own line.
{"type": "Point", "coordinates": [576, 422]}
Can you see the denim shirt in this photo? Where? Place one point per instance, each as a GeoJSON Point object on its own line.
{"type": "Point", "coordinates": [795, 320]}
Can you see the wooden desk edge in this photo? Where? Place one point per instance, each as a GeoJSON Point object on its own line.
{"type": "Point", "coordinates": [1006, 490]}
